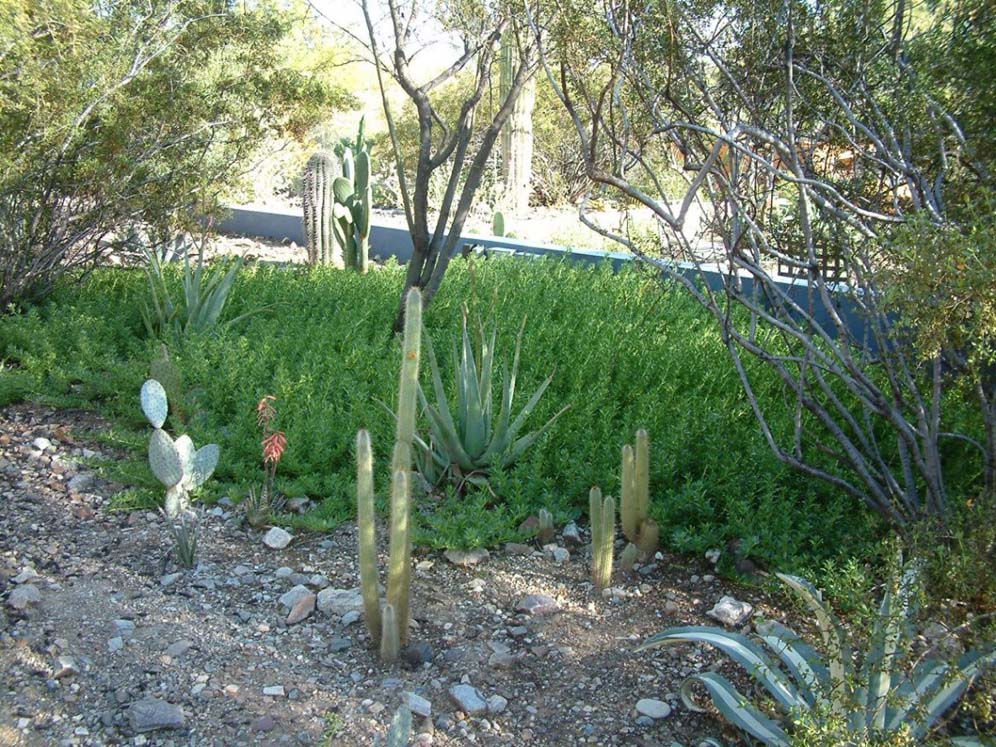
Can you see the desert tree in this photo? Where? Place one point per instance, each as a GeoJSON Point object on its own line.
{"type": "Point", "coordinates": [126, 112]}
{"type": "Point", "coordinates": [800, 151]}
{"type": "Point", "coordinates": [469, 35]}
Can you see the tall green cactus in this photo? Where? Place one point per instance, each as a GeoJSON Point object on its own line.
{"type": "Point", "coordinates": [603, 532]}
{"type": "Point", "coordinates": [391, 627]}
{"type": "Point", "coordinates": [634, 506]}
{"type": "Point", "coordinates": [353, 194]}
{"type": "Point", "coordinates": [176, 464]}
{"type": "Point", "coordinates": [318, 210]}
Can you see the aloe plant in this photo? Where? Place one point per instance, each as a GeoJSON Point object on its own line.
{"type": "Point", "coordinates": [874, 696]}
{"type": "Point", "coordinates": [176, 464]}
{"type": "Point", "coordinates": [390, 626]}
{"type": "Point", "coordinates": [469, 440]}
{"type": "Point", "coordinates": [205, 294]}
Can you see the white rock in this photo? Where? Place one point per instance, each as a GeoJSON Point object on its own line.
{"type": "Point", "coordinates": [713, 555]}
{"type": "Point", "coordinates": [42, 444]}
{"type": "Point", "coordinates": [652, 708]}
{"type": "Point", "coordinates": [468, 699]}
{"type": "Point", "coordinates": [27, 575]}
{"type": "Point", "coordinates": [731, 612]}
{"type": "Point", "coordinates": [464, 559]}
{"type": "Point", "coordinates": [277, 538]}
{"type": "Point", "coordinates": [275, 691]}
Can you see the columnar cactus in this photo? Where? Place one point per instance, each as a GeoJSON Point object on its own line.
{"type": "Point", "coordinates": [353, 195]}
{"type": "Point", "coordinates": [319, 203]}
{"type": "Point", "coordinates": [176, 464]}
{"type": "Point", "coordinates": [603, 531]}
{"type": "Point", "coordinates": [634, 504]}
{"type": "Point", "coordinates": [391, 626]}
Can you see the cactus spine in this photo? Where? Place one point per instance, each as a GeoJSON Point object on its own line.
{"type": "Point", "coordinates": [603, 531]}
{"type": "Point", "coordinates": [391, 627]}
{"type": "Point", "coordinates": [634, 505]}
{"type": "Point", "coordinates": [318, 210]}
{"type": "Point", "coordinates": [176, 464]}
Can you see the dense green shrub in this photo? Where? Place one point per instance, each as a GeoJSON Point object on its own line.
{"type": "Point", "coordinates": [627, 354]}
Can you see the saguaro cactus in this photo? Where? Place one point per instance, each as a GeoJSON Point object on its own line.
{"type": "Point", "coordinates": [319, 202]}
{"type": "Point", "coordinates": [634, 504]}
{"type": "Point", "coordinates": [176, 464]}
{"type": "Point", "coordinates": [603, 532]}
{"type": "Point", "coordinates": [391, 627]}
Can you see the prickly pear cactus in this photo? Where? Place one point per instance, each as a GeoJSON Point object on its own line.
{"type": "Point", "coordinates": [176, 464]}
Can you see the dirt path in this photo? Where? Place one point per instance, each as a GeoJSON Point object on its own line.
{"type": "Point", "coordinates": [117, 645]}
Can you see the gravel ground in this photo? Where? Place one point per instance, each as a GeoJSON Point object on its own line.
{"type": "Point", "coordinates": [105, 640]}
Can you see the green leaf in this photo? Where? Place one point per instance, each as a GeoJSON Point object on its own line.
{"type": "Point", "coordinates": [735, 708]}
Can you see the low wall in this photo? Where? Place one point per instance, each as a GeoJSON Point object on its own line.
{"type": "Point", "coordinates": [391, 241]}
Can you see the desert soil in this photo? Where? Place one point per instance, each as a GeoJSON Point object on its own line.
{"type": "Point", "coordinates": [104, 639]}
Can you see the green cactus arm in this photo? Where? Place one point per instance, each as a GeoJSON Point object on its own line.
{"type": "Point", "coordinates": [367, 533]}
{"type": "Point", "coordinates": [164, 460]}
{"type": "Point", "coordinates": [642, 475]}
{"type": "Point", "coordinates": [411, 349]}
{"type": "Point", "coordinates": [390, 636]}
{"type": "Point", "coordinates": [627, 503]}
{"type": "Point", "coordinates": [399, 574]}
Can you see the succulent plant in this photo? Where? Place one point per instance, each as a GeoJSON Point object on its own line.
{"type": "Point", "coordinates": [628, 557]}
{"type": "Point", "coordinates": [319, 174]}
{"type": "Point", "coordinates": [634, 504]}
{"type": "Point", "coordinates": [603, 533]}
{"type": "Point", "coordinates": [176, 464]}
{"type": "Point", "coordinates": [467, 441]}
{"type": "Point", "coordinates": [390, 627]}
{"type": "Point", "coordinates": [498, 224]}
{"type": "Point", "coordinates": [544, 533]}
{"type": "Point", "coordinates": [884, 693]}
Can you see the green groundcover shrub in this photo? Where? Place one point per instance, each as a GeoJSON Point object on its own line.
{"type": "Point", "coordinates": [627, 351]}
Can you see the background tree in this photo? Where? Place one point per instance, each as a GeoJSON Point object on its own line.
{"type": "Point", "coordinates": [807, 136]}
{"type": "Point", "coordinates": [445, 145]}
{"type": "Point", "coordinates": [124, 112]}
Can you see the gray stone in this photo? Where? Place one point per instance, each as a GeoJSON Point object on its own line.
{"type": "Point", "coordinates": [302, 609]}
{"type": "Point", "coordinates": [469, 700]}
{"type": "Point", "coordinates": [418, 653]}
{"type": "Point", "coordinates": [23, 596]}
{"type": "Point", "coordinates": [42, 444]}
{"type": "Point", "coordinates": [318, 580]}
{"type": "Point", "coordinates": [27, 575]}
{"type": "Point", "coordinates": [151, 714]}
{"type": "Point", "coordinates": [340, 601]}
{"type": "Point", "coordinates": [497, 704]}
{"type": "Point", "coordinates": [290, 598]}
{"type": "Point", "coordinates": [713, 555]}
{"type": "Point", "coordinates": [67, 667]}
{"type": "Point", "coordinates": [655, 709]}
{"type": "Point", "coordinates": [468, 558]}
{"type": "Point", "coordinates": [264, 724]}
{"type": "Point", "coordinates": [558, 555]}
{"type": "Point", "coordinates": [277, 538]}
{"type": "Point", "coordinates": [179, 648]}
{"type": "Point", "coordinates": [116, 643]}
{"type": "Point", "coordinates": [537, 604]}
{"type": "Point", "coordinates": [418, 705]}
{"type": "Point", "coordinates": [170, 578]}
{"type": "Point", "coordinates": [351, 617]}
{"type": "Point", "coordinates": [517, 548]}
{"type": "Point", "coordinates": [81, 483]}
{"type": "Point", "coordinates": [339, 644]}
{"type": "Point", "coordinates": [125, 628]}
{"type": "Point", "coordinates": [274, 691]}
{"type": "Point", "coordinates": [731, 612]}
{"type": "Point", "coordinates": [571, 535]}
{"type": "Point", "coordinates": [283, 572]}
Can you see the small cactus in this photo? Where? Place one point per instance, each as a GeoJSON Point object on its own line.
{"type": "Point", "coordinates": [628, 557]}
{"type": "Point", "coordinates": [545, 531]}
{"type": "Point", "coordinates": [498, 224]}
{"type": "Point", "coordinates": [634, 504]}
{"type": "Point", "coordinates": [603, 531]}
{"type": "Point", "coordinates": [176, 464]}
{"type": "Point", "coordinates": [391, 625]}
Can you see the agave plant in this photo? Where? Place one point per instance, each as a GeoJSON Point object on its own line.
{"type": "Point", "coordinates": [469, 440]}
{"type": "Point", "coordinates": [875, 696]}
